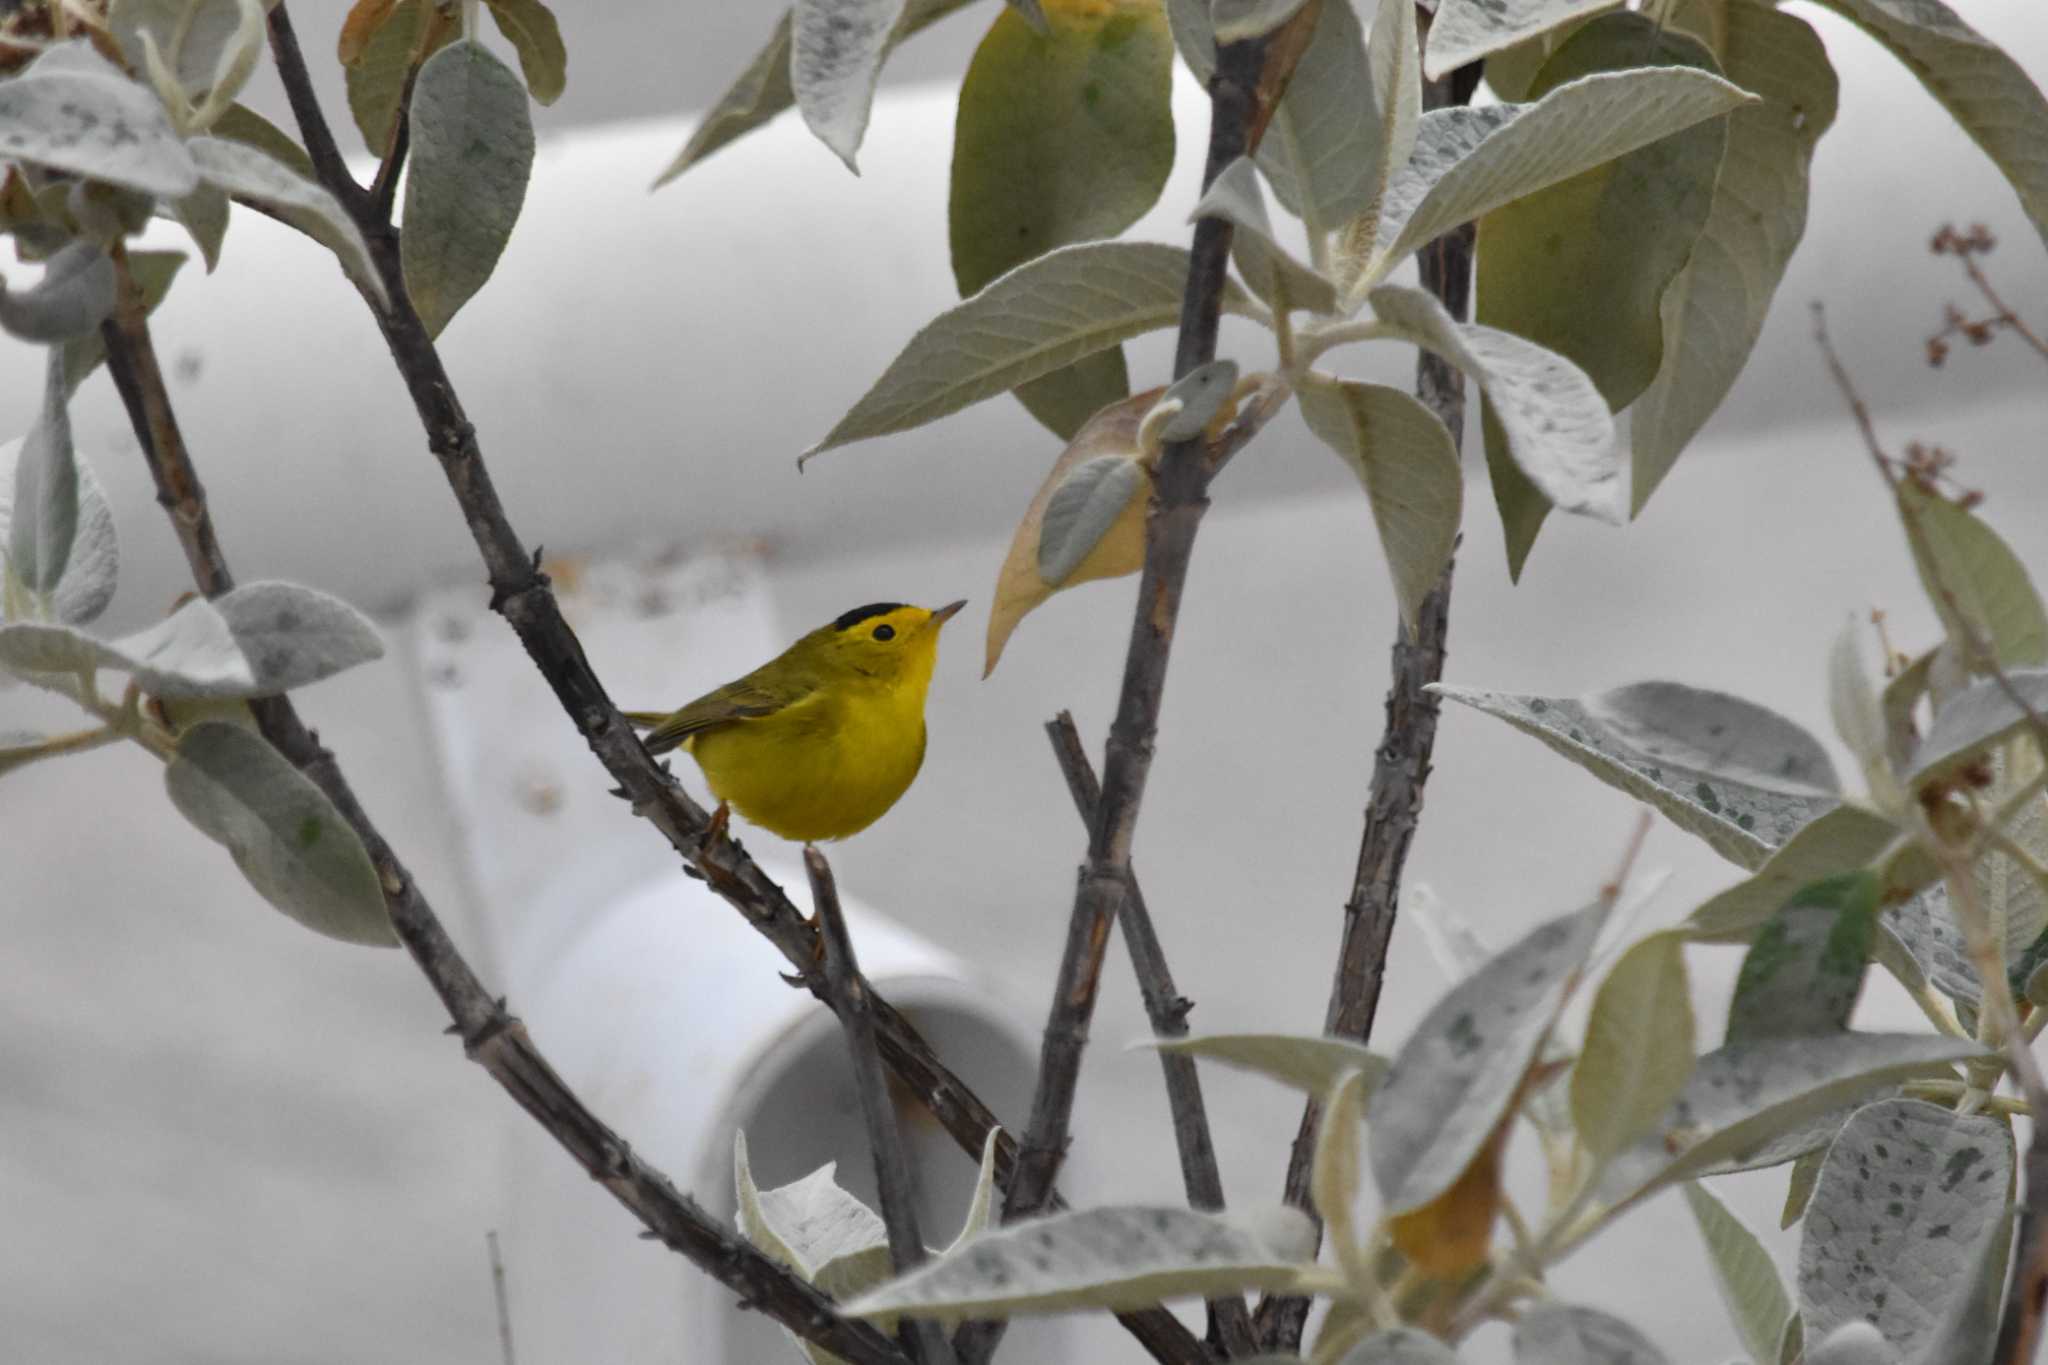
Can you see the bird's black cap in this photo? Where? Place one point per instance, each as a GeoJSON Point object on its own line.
{"type": "Point", "coordinates": [868, 612]}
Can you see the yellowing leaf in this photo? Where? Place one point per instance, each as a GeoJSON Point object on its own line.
{"type": "Point", "coordinates": [1453, 1233]}
{"type": "Point", "coordinates": [1118, 550]}
{"type": "Point", "coordinates": [530, 27]}
{"type": "Point", "coordinates": [365, 17]}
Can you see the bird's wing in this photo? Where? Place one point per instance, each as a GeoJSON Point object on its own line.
{"type": "Point", "coordinates": [749, 698]}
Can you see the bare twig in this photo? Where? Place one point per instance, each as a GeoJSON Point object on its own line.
{"type": "Point", "coordinates": [522, 595]}
{"type": "Point", "coordinates": [490, 1034]}
{"type": "Point", "coordinates": [501, 1299]}
{"type": "Point", "coordinates": [851, 999]}
{"type": "Point", "coordinates": [1230, 1324]}
{"type": "Point", "coordinates": [1401, 762]}
{"type": "Point", "coordinates": [1966, 247]}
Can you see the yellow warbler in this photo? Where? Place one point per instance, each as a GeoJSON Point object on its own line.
{"type": "Point", "coordinates": [822, 739]}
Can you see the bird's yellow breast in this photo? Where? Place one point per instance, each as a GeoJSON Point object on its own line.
{"type": "Point", "coordinates": [825, 768]}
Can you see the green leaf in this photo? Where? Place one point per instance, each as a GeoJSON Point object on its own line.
{"type": "Point", "coordinates": [1985, 91]}
{"type": "Point", "coordinates": [1118, 1257]}
{"type": "Point", "coordinates": [1744, 1095]}
{"type": "Point", "coordinates": [1568, 1334]}
{"type": "Point", "coordinates": [1311, 1064]}
{"type": "Point", "coordinates": [1799, 1190]}
{"type": "Point", "coordinates": [1084, 505]}
{"type": "Point", "coordinates": [1333, 1174]}
{"type": "Point", "coordinates": [1838, 840]}
{"type": "Point", "coordinates": [282, 831]}
{"type": "Point", "coordinates": [760, 93]}
{"type": "Point", "coordinates": [1804, 969]}
{"type": "Point", "coordinates": [376, 79]}
{"type": "Point", "coordinates": [1977, 584]}
{"type": "Point", "coordinates": [1639, 1046]}
{"type": "Point", "coordinates": [1744, 1273]}
{"type": "Point", "coordinates": [1400, 1346]}
{"type": "Point", "coordinates": [44, 516]}
{"type": "Point", "coordinates": [247, 173]}
{"type": "Point", "coordinates": [1559, 431]}
{"type": "Point", "coordinates": [1894, 1235]}
{"type": "Point", "coordinates": [1739, 776]}
{"type": "Point", "coordinates": [1582, 266]}
{"type": "Point", "coordinates": [1063, 135]}
{"type": "Point", "coordinates": [75, 294]}
{"type": "Point", "coordinates": [1714, 310]}
{"type": "Point", "coordinates": [73, 111]}
{"type": "Point", "coordinates": [1405, 457]}
{"type": "Point", "coordinates": [836, 54]}
{"type": "Point", "coordinates": [1468, 162]}
{"type": "Point", "coordinates": [1321, 152]}
{"type": "Point", "coordinates": [1974, 720]}
{"type": "Point", "coordinates": [1857, 712]}
{"type": "Point", "coordinates": [153, 272]}
{"type": "Point", "coordinates": [94, 563]}
{"type": "Point", "coordinates": [472, 150]}
{"type": "Point", "coordinates": [530, 27]}
{"type": "Point", "coordinates": [1459, 1071]}
{"type": "Point", "coordinates": [204, 216]}
{"type": "Point", "coordinates": [196, 31]}
{"type": "Point", "coordinates": [242, 124]}
{"type": "Point", "coordinates": [1044, 314]}
{"type": "Point", "coordinates": [1466, 30]}
{"type": "Point", "coordinates": [1267, 267]}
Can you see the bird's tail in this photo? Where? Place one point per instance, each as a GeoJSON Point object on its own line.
{"type": "Point", "coordinates": [658, 741]}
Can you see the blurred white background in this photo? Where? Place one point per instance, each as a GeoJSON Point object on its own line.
{"type": "Point", "coordinates": [225, 1140]}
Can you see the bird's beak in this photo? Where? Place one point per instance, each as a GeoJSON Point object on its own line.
{"type": "Point", "coordinates": [945, 613]}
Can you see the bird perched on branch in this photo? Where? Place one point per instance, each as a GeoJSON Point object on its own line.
{"type": "Point", "coordinates": [822, 739]}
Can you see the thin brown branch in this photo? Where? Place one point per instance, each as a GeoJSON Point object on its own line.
{"type": "Point", "coordinates": [522, 595]}
{"type": "Point", "coordinates": [1966, 247]}
{"type": "Point", "coordinates": [491, 1035]}
{"type": "Point", "coordinates": [1230, 1324]}
{"type": "Point", "coordinates": [851, 998]}
{"type": "Point", "coordinates": [298, 91]}
{"type": "Point", "coordinates": [1858, 409]}
{"type": "Point", "coordinates": [1400, 766]}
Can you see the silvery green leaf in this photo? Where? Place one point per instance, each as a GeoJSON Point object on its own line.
{"type": "Point", "coordinates": [1748, 1279]}
{"type": "Point", "coordinates": [1635, 738]}
{"type": "Point", "coordinates": [1853, 703]}
{"type": "Point", "coordinates": [85, 117]}
{"type": "Point", "coordinates": [248, 173]}
{"type": "Point", "coordinates": [1559, 432]}
{"type": "Point", "coordinates": [1394, 54]}
{"type": "Point", "coordinates": [1467, 30]}
{"type": "Point", "coordinates": [815, 1228]}
{"type": "Point", "coordinates": [1985, 91]}
{"type": "Point", "coordinates": [1977, 718]}
{"type": "Point", "coordinates": [87, 584]}
{"type": "Point", "coordinates": [1853, 1343]}
{"type": "Point", "coordinates": [75, 295]}
{"type": "Point", "coordinates": [1978, 586]}
{"type": "Point", "coordinates": [1321, 150]}
{"type": "Point", "coordinates": [837, 49]}
{"type": "Point", "coordinates": [1267, 266]}
{"type": "Point", "coordinates": [1193, 35]}
{"type": "Point", "coordinates": [1469, 162]}
{"type": "Point", "coordinates": [191, 36]}
{"type": "Point", "coordinates": [1086, 504]}
{"type": "Point", "coordinates": [1044, 314]}
{"type": "Point", "coordinates": [1895, 1232]}
{"type": "Point", "coordinates": [982, 1203]}
{"type": "Point", "coordinates": [1200, 394]}
{"type": "Point", "coordinates": [153, 272]}
{"type": "Point", "coordinates": [1333, 1174]}
{"type": "Point", "coordinates": [1400, 1346]}
{"type": "Point", "coordinates": [1568, 1334]}
{"type": "Point", "coordinates": [1744, 1095]}
{"type": "Point", "coordinates": [1799, 1185]}
{"type": "Point", "coordinates": [1311, 1064]}
{"type": "Point", "coordinates": [1639, 1046]}
{"type": "Point", "coordinates": [472, 151]}
{"type": "Point", "coordinates": [1804, 970]}
{"type": "Point", "coordinates": [204, 215]}
{"type": "Point", "coordinates": [1404, 455]}
{"type": "Point", "coordinates": [1461, 1067]}
{"type": "Point", "coordinates": [1715, 309]}
{"type": "Point", "coordinates": [1118, 1257]}
{"type": "Point", "coordinates": [44, 520]}
{"type": "Point", "coordinates": [293, 635]}
{"type": "Point", "coordinates": [1837, 840]}
{"type": "Point", "coordinates": [190, 653]}
{"type": "Point", "coordinates": [282, 831]}
{"type": "Point", "coordinates": [1233, 21]}
{"type": "Point", "coordinates": [1968, 1331]}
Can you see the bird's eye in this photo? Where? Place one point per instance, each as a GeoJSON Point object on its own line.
{"type": "Point", "coordinates": [885, 632]}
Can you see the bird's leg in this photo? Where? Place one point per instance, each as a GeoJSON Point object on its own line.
{"type": "Point", "coordinates": [720, 818]}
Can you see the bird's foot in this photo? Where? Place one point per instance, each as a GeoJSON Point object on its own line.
{"type": "Point", "coordinates": [720, 818]}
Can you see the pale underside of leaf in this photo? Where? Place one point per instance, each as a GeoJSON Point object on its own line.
{"type": "Point", "coordinates": [1467, 30]}
{"type": "Point", "coordinates": [1309, 1063]}
{"type": "Point", "coordinates": [102, 126]}
{"type": "Point", "coordinates": [1748, 1279]}
{"type": "Point", "coordinates": [246, 172]}
{"type": "Point", "coordinates": [1268, 268]}
{"type": "Point", "coordinates": [1978, 586]}
{"type": "Point", "coordinates": [87, 584]}
{"type": "Point", "coordinates": [1321, 151]}
{"type": "Point", "coordinates": [836, 52]}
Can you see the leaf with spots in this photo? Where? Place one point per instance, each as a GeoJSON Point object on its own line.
{"type": "Point", "coordinates": [293, 635]}
{"type": "Point", "coordinates": [1118, 1257]}
{"type": "Point", "coordinates": [1840, 839]}
{"type": "Point", "coordinates": [1895, 1232]}
{"type": "Point", "coordinates": [1751, 1288]}
{"type": "Point", "coordinates": [74, 111]}
{"type": "Point", "coordinates": [1310, 1064]}
{"type": "Point", "coordinates": [1569, 1334]}
{"type": "Point", "coordinates": [836, 54]}
{"type": "Point", "coordinates": [1463, 1066]}
{"type": "Point", "coordinates": [1743, 1096]}
{"type": "Point", "coordinates": [1805, 967]}
{"type": "Point", "coordinates": [284, 834]}
{"type": "Point", "coordinates": [1741, 777]}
